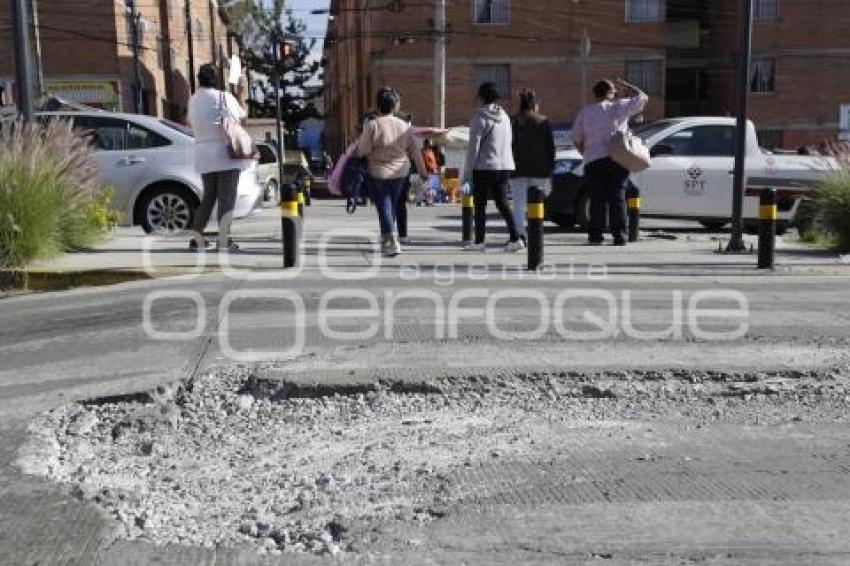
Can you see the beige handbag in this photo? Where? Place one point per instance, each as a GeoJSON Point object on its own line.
{"type": "Point", "coordinates": [629, 151]}
{"type": "Point", "coordinates": [239, 142]}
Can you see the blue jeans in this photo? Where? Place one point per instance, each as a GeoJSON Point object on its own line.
{"type": "Point", "coordinates": [385, 194]}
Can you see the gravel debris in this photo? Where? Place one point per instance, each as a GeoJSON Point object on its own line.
{"type": "Point", "coordinates": [232, 459]}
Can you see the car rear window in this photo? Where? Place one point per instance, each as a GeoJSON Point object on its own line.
{"type": "Point", "coordinates": [178, 127]}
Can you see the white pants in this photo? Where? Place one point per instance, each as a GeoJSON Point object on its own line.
{"type": "Point", "coordinates": [519, 195]}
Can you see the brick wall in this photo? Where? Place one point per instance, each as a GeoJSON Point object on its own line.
{"type": "Point", "coordinates": [541, 44]}
{"type": "Point", "coordinates": [90, 41]}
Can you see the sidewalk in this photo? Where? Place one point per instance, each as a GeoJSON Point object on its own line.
{"type": "Point", "coordinates": [336, 239]}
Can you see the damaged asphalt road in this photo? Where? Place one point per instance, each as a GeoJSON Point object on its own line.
{"type": "Point", "coordinates": [248, 459]}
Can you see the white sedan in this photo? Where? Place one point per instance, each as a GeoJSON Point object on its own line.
{"type": "Point", "coordinates": [150, 164]}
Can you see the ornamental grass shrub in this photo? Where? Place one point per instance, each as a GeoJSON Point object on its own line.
{"type": "Point", "coordinates": [50, 199]}
{"type": "Point", "coordinates": [831, 205]}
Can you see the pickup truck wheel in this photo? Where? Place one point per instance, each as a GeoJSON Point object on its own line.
{"type": "Point", "coordinates": [713, 225]}
{"type": "Point", "coordinates": [270, 192]}
{"type": "Point", "coordinates": [782, 227]}
{"type": "Point", "coordinates": [563, 220]}
{"type": "Point", "coordinates": [167, 210]}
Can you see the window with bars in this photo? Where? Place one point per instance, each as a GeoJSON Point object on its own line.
{"type": "Point", "coordinates": [498, 74]}
{"type": "Point", "coordinates": [763, 74]}
{"type": "Point", "coordinates": [491, 11]}
{"type": "Point", "coordinates": [644, 11]}
{"type": "Point", "coordinates": [646, 74]}
{"type": "Point", "coordinates": [766, 10]}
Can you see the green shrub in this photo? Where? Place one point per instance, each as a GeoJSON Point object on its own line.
{"type": "Point", "coordinates": [832, 209]}
{"type": "Point", "coordinates": [50, 200]}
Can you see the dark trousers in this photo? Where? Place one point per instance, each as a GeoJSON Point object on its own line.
{"type": "Point", "coordinates": [493, 185]}
{"type": "Point", "coordinates": [606, 181]}
{"type": "Point", "coordinates": [385, 193]}
{"type": "Point", "coordinates": [219, 186]}
{"type": "Point", "coordinates": [401, 210]}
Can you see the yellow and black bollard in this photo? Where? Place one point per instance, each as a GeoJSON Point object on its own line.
{"type": "Point", "coordinates": [301, 202]}
{"type": "Point", "coordinates": [633, 205]}
{"type": "Point", "coordinates": [467, 213]}
{"type": "Point", "coordinates": [289, 219]}
{"type": "Point", "coordinates": [767, 228]}
{"type": "Point", "coordinates": [535, 213]}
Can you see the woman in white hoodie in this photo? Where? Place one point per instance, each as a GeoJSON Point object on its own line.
{"type": "Point", "coordinates": [489, 163]}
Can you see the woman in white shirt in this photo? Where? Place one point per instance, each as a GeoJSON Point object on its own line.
{"type": "Point", "coordinates": [220, 172]}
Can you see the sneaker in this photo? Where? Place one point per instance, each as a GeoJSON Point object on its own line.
{"type": "Point", "coordinates": [472, 247]}
{"type": "Point", "coordinates": [206, 244]}
{"type": "Point", "coordinates": [390, 247]}
{"type": "Point", "coordinates": [404, 240]}
{"type": "Point", "coordinates": [515, 246]}
{"type": "Point", "coordinates": [230, 247]}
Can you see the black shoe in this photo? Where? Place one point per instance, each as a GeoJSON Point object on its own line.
{"type": "Point", "coordinates": [619, 243]}
{"type": "Point", "coordinates": [595, 242]}
{"type": "Point", "coordinates": [193, 244]}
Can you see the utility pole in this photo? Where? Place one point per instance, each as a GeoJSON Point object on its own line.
{"type": "Point", "coordinates": [736, 241]}
{"type": "Point", "coordinates": [440, 63]}
{"type": "Point", "coordinates": [23, 71]}
{"type": "Point", "coordinates": [35, 50]}
{"type": "Point", "coordinates": [191, 42]}
{"type": "Point", "coordinates": [584, 55]}
{"type": "Point", "coordinates": [138, 87]}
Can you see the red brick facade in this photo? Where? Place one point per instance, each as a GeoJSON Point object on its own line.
{"type": "Point", "coordinates": [687, 51]}
{"type": "Point", "coordinates": [86, 50]}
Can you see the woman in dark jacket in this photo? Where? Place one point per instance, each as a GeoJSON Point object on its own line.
{"type": "Point", "coordinates": [534, 155]}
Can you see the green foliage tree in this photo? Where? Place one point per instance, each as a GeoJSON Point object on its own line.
{"type": "Point", "coordinates": [258, 23]}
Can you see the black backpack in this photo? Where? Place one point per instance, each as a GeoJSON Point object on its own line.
{"type": "Point", "coordinates": [353, 182]}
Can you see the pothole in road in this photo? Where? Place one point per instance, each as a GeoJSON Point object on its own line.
{"type": "Point", "coordinates": [231, 459]}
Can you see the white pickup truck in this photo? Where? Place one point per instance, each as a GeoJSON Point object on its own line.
{"type": "Point", "coordinates": [692, 172]}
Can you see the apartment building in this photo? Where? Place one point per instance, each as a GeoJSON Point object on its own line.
{"type": "Point", "coordinates": [682, 52]}
{"type": "Point", "coordinates": [87, 52]}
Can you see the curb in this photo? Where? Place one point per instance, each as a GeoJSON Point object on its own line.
{"type": "Point", "coordinates": [25, 280]}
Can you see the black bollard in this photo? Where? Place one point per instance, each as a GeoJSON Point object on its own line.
{"type": "Point", "coordinates": [633, 204]}
{"type": "Point", "coordinates": [466, 217]}
{"type": "Point", "coordinates": [767, 228]}
{"type": "Point", "coordinates": [289, 220]}
{"type": "Point", "coordinates": [535, 213]}
{"type": "Point", "coordinates": [308, 194]}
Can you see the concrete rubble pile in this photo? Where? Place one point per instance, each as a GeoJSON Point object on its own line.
{"type": "Point", "coordinates": [232, 459]}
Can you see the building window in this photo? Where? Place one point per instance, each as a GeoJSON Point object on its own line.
{"type": "Point", "coordinates": [645, 74]}
{"type": "Point", "coordinates": [491, 11]}
{"type": "Point", "coordinates": [763, 74]}
{"type": "Point", "coordinates": [500, 75]}
{"type": "Point", "coordinates": [644, 11]}
{"type": "Point", "coordinates": [766, 10]}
